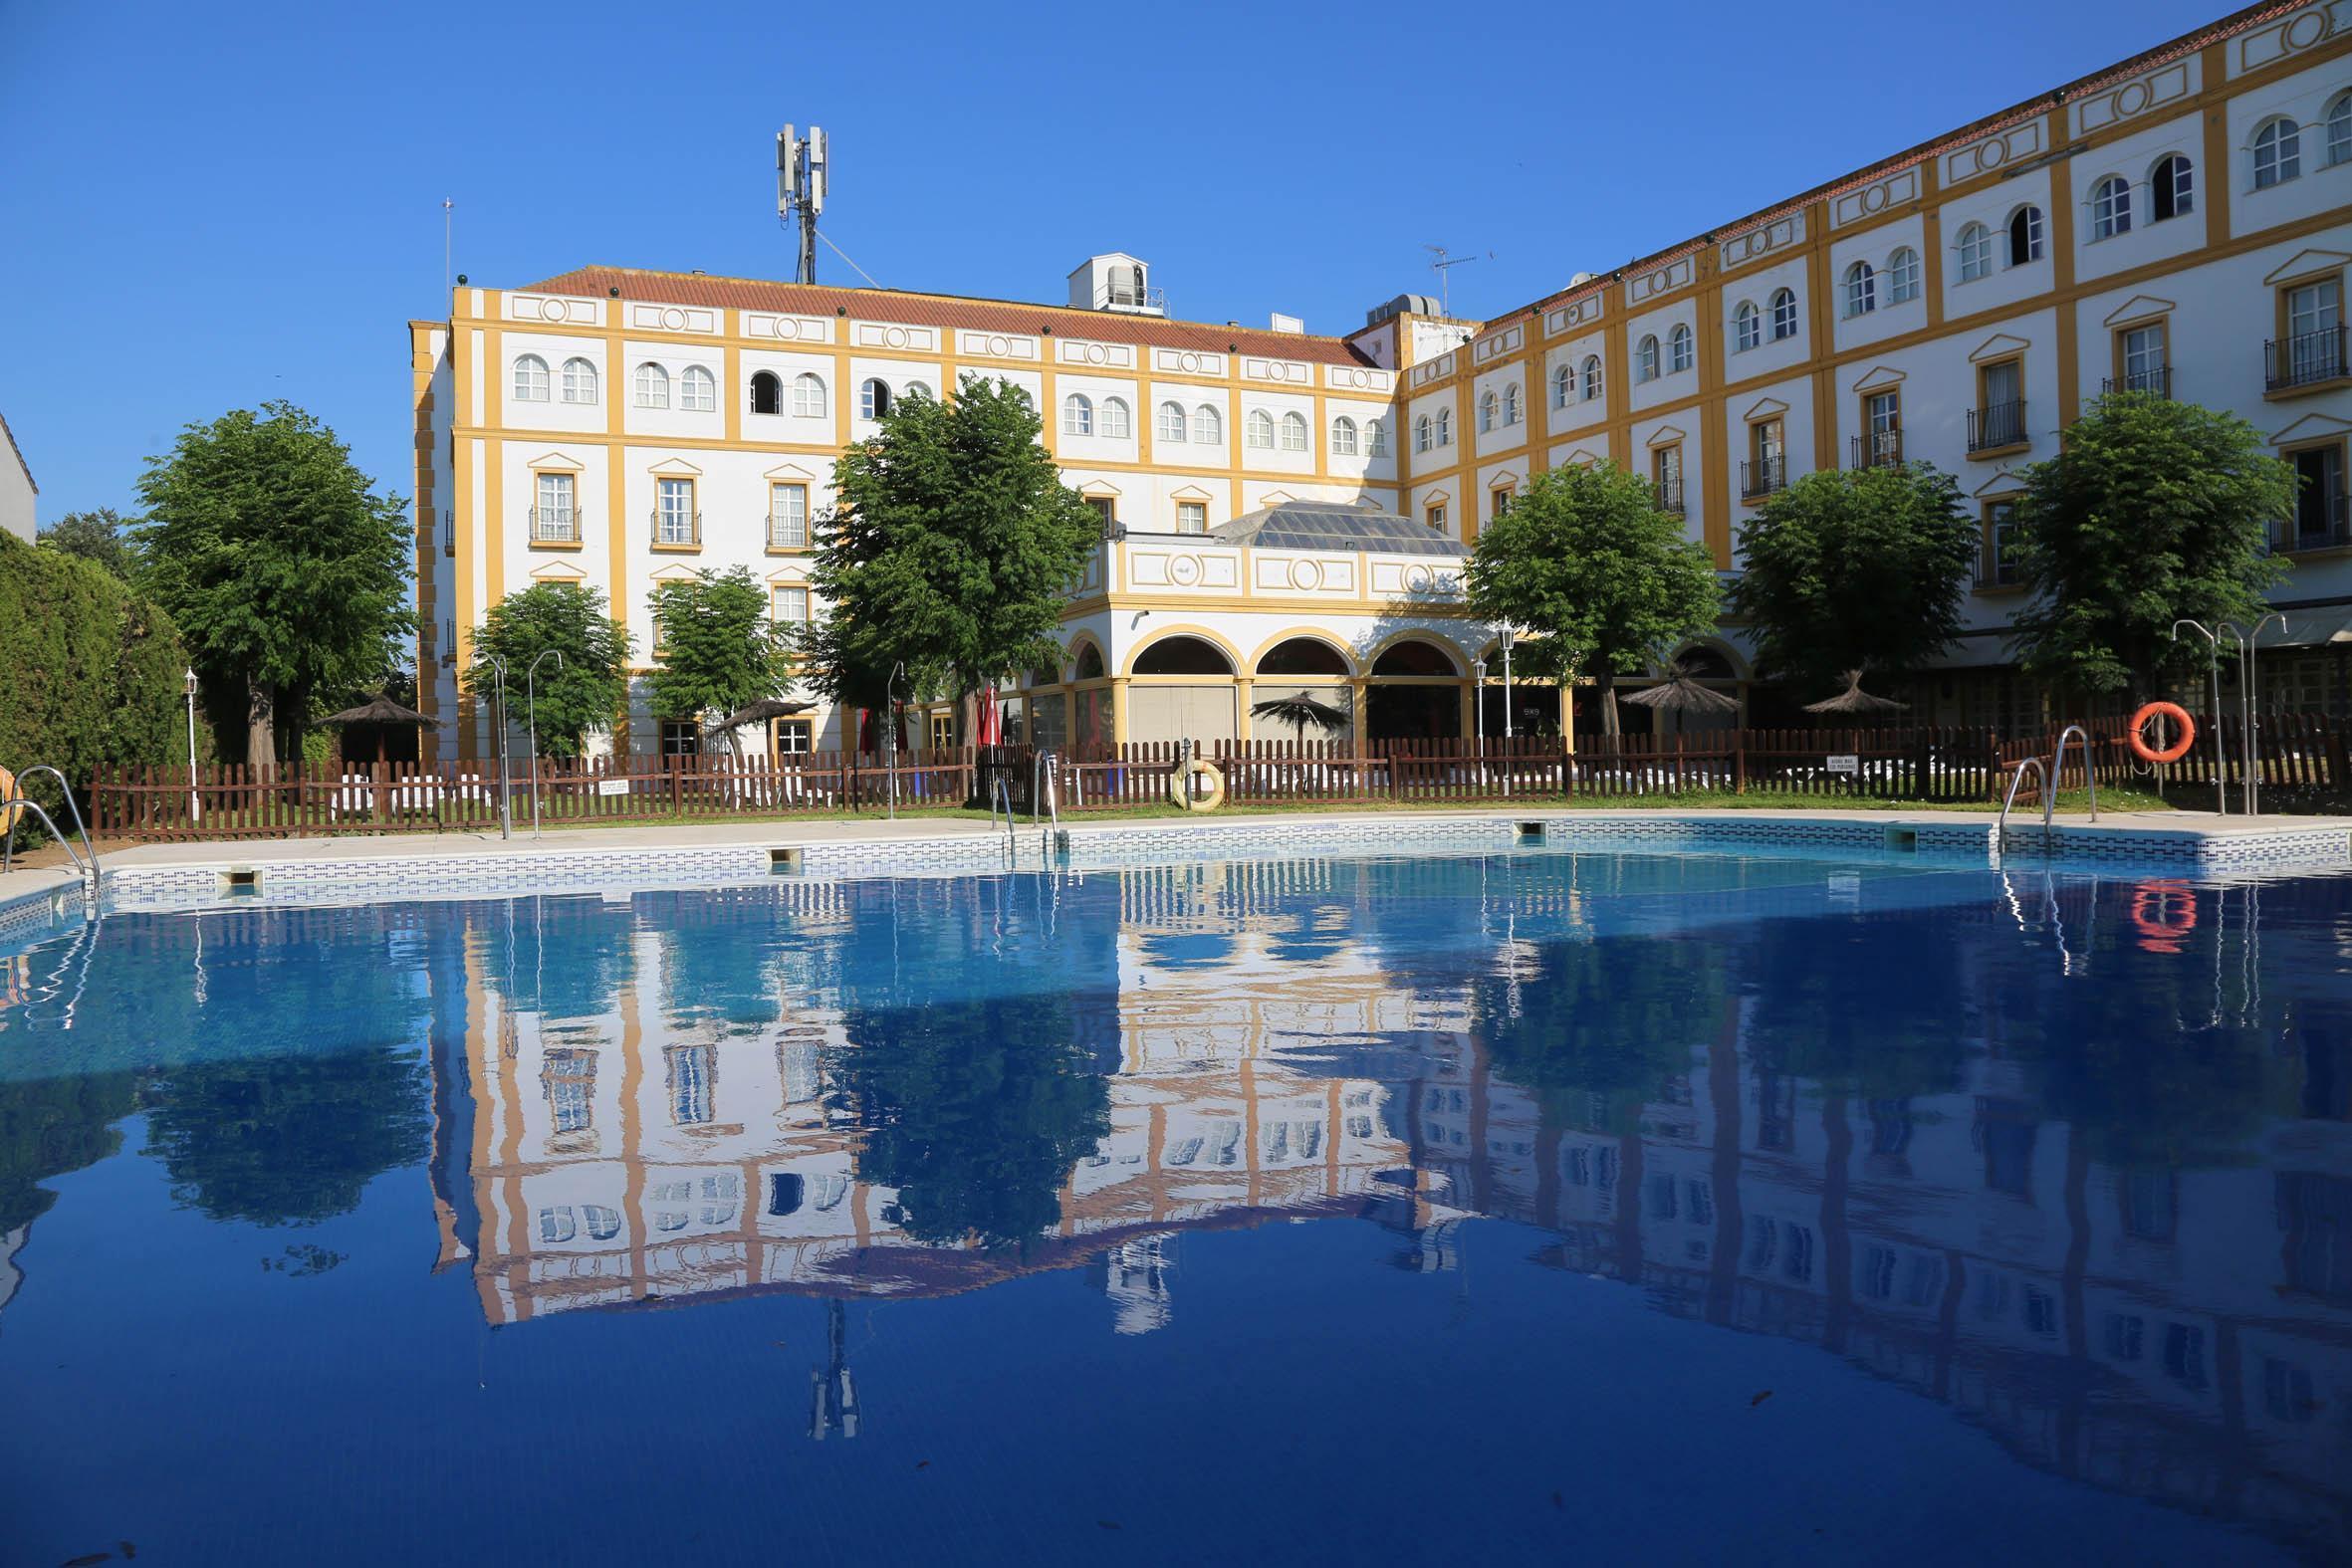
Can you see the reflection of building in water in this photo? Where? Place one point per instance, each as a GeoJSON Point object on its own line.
{"type": "Point", "coordinates": [1134, 1276]}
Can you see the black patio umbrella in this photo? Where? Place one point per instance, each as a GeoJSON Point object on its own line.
{"type": "Point", "coordinates": [381, 712]}
{"type": "Point", "coordinates": [760, 711]}
{"type": "Point", "coordinates": [1299, 712]}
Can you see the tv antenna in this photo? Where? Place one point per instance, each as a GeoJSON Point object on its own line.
{"type": "Point", "coordinates": [1441, 260]}
{"type": "Point", "coordinates": [801, 176]}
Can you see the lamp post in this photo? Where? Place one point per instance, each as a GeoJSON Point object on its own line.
{"type": "Point", "coordinates": [1506, 640]}
{"type": "Point", "coordinates": [530, 717]}
{"type": "Point", "coordinates": [196, 803]}
{"type": "Point", "coordinates": [1478, 703]}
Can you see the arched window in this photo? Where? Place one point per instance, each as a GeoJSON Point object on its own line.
{"type": "Point", "coordinates": [1078, 415]}
{"type": "Point", "coordinates": [1747, 327]}
{"type": "Point", "coordinates": [698, 391]}
{"type": "Point", "coordinates": [1510, 404]}
{"type": "Point", "coordinates": [1444, 427]}
{"type": "Point", "coordinates": [652, 386]}
{"type": "Point", "coordinates": [1258, 430]}
{"type": "Point", "coordinates": [1485, 413]}
{"type": "Point", "coordinates": [1784, 314]}
{"type": "Point", "coordinates": [767, 393]}
{"type": "Point", "coordinates": [1861, 289]}
{"type": "Point", "coordinates": [530, 379]}
{"type": "Point", "coordinates": [1903, 276]}
{"type": "Point", "coordinates": [1294, 432]}
{"type": "Point", "coordinates": [914, 390]}
{"type": "Point", "coordinates": [873, 399]}
{"type": "Point", "coordinates": [1976, 252]}
{"type": "Point", "coordinates": [2111, 208]}
{"type": "Point", "coordinates": [1343, 437]}
{"type": "Point", "coordinates": [1303, 656]}
{"type": "Point", "coordinates": [1208, 425]}
{"type": "Point", "coordinates": [808, 396]}
{"type": "Point", "coordinates": [1591, 376]}
{"type": "Point", "coordinates": [1090, 664]}
{"type": "Point", "coordinates": [2172, 188]}
{"type": "Point", "coordinates": [1421, 434]}
{"type": "Point", "coordinates": [1376, 438]}
{"type": "Point", "coordinates": [1171, 421]}
{"type": "Point", "coordinates": [1414, 656]}
{"type": "Point", "coordinates": [2025, 236]}
{"type": "Point", "coordinates": [1679, 349]}
{"type": "Point", "coordinates": [2278, 153]}
{"type": "Point", "coordinates": [1563, 386]}
{"type": "Point", "coordinates": [1115, 419]}
{"type": "Point", "coordinates": [1182, 655]}
{"type": "Point", "coordinates": [579, 382]}
{"type": "Point", "coordinates": [2339, 130]}
{"type": "Point", "coordinates": [1645, 359]}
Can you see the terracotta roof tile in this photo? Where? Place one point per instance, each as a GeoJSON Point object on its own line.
{"type": "Point", "coordinates": [944, 310]}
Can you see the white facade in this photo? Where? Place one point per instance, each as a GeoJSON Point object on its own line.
{"type": "Point", "coordinates": [19, 496]}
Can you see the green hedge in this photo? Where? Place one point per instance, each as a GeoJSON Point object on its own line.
{"type": "Point", "coordinates": [90, 671]}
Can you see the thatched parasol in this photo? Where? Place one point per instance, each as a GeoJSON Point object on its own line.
{"type": "Point", "coordinates": [1299, 712]}
{"type": "Point", "coordinates": [381, 712]}
{"type": "Point", "coordinates": [760, 711]}
{"type": "Point", "coordinates": [1855, 701]}
{"type": "Point", "coordinates": [1681, 692]}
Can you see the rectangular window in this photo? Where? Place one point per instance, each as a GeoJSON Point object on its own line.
{"type": "Point", "coordinates": [1767, 459]}
{"type": "Point", "coordinates": [675, 519]}
{"type": "Point", "coordinates": [680, 738]}
{"type": "Point", "coordinates": [2319, 517]}
{"type": "Point", "coordinates": [2315, 322]}
{"type": "Point", "coordinates": [943, 732]}
{"type": "Point", "coordinates": [787, 517]}
{"type": "Point", "coordinates": [2001, 406]}
{"type": "Point", "coordinates": [2000, 543]}
{"type": "Point", "coordinates": [2142, 355]}
{"type": "Point", "coordinates": [793, 737]}
{"type": "Point", "coordinates": [1498, 503]}
{"type": "Point", "coordinates": [1436, 518]}
{"type": "Point", "coordinates": [1106, 507]}
{"type": "Point", "coordinates": [789, 605]}
{"type": "Point", "coordinates": [1192, 517]}
{"type": "Point", "coordinates": [1666, 473]}
{"type": "Point", "coordinates": [1882, 421]}
{"type": "Point", "coordinates": [554, 520]}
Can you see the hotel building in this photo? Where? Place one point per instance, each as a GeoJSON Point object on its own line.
{"type": "Point", "coordinates": [2180, 223]}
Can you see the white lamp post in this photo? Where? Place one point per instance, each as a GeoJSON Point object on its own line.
{"type": "Point", "coordinates": [1506, 638]}
{"type": "Point", "coordinates": [1478, 706]}
{"type": "Point", "coordinates": [196, 803]}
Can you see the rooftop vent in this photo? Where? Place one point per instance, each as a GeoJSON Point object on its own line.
{"type": "Point", "coordinates": [1115, 282]}
{"type": "Point", "coordinates": [1404, 305]}
{"type": "Point", "coordinates": [1286, 323]}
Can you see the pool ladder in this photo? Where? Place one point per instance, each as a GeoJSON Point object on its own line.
{"type": "Point", "coordinates": [85, 860]}
{"type": "Point", "coordinates": [2049, 788]}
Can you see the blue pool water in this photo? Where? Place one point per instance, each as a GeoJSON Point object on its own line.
{"type": "Point", "coordinates": [1491, 1208]}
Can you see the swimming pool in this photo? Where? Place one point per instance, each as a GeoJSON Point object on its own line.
{"type": "Point", "coordinates": [1494, 1207]}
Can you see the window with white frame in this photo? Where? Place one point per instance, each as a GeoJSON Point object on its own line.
{"type": "Point", "coordinates": [553, 516]}
{"type": "Point", "coordinates": [652, 386]}
{"type": "Point", "coordinates": [1591, 376]}
{"type": "Point", "coordinates": [789, 605]}
{"type": "Point", "coordinates": [1192, 517]}
{"type": "Point", "coordinates": [673, 512]}
{"type": "Point", "coordinates": [916, 389]}
{"type": "Point", "coordinates": [698, 391]}
{"type": "Point", "coordinates": [2142, 358]}
{"type": "Point", "coordinates": [1435, 517]}
{"type": "Point", "coordinates": [1376, 438]}
{"type": "Point", "coordinates": [873, 399]}
{"type": "Point", "coordinates": [579, 382]}
{"type": "Point", "coordinates": [1294, 432]}
{"type": "Point", "coordinates": [1078, 415]}
{"type": "Point", "coordinates": [809, 396]}
{"type": "Point", "coordinates": [1116, 418]}
{"type": "Point", "coordinates": [1510, 404]}
{"type": "Point", "coordinates": [1563, 386]}
{"type": "Point", "coordinates": [1258, 431]}
{"type": "Point", "coordinates": [1784, 314]}
{"type": "Point", "coordinates": [1422, 437]}
{"type": "Point", "coordinates": [1747, 327]}
{"type": "Point", "coordinates": [1861, 289]}
{"type": "Point", "coordinates": [530, 379]}
{"type": "Point", "coordinates": [2339, 129]}
{"type": "Point", "coordinates": [1679, 352]}
{"type": "Point", "coordinates": [2172, 188]}
{"type": "Point", "coordinates": [1444, 427]}
{"type": "Point", "coordinates": [1208, 425]}
{"type": "Point", "coordinates": [1485, 413]}
{"type": "Point", "coordinates": [1903, 276]}
{"type": "Point", "coordinates": [1171, 422]}
{"type": "Point", "coordinates": [1976, 252]}
{"type": "Point", "coordinates": [787, 516]}
{"type": "Point", "coordinates": [2024, 236]}
{"type": "Point", "coordinates": [2278, 153]}
{"type": "Point", "coordinates": [2111, 208]}
{"type": "Point", "coordinates": [1645, 359]}
{"type": "Point", "coordinates": [1343, 437]}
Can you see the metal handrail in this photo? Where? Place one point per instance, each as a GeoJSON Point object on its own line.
{"type": "Point", "coordinates": [2049, 794]}
{"type": "Point", "coordinates": [73, 808]}
{"type": "Point", "coordinates": [85, 869]}
{"type": "Point", "coordinates": [2000, 828]}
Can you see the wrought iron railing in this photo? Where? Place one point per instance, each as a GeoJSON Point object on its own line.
{"type": "Point", "coordinates": [1996, 426]}
{"type": "Point", "coordinates": [1761, 476]}
{"type": "Point", "coordinates": [2305, 359]}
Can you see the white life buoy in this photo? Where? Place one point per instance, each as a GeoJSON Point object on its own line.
{"type": "Point", "coordinates": [1197, 786]}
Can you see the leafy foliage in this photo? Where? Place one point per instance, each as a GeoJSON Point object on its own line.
{"type": "Point", "coordinates": [952, 546]}
{"type": "Point", "coordinates": [1595, 1029]}
{"type": "Point", "coordinates": [717, 646]}
{"type": "Point", "coordinates": [587, 690]}
{"type": "Point", "coordinates": [2153, 510]}
{"type": "Point", "coordinates": [1604, 581]}
{"type": "Point", "coordinates": [287, 571]}
{"type": "Point", "coordinates": [96, 537]}
{"type": "Point", "coordinates": [52, 1125]}
{"type": "Point", "coordinates": [1855, 571]}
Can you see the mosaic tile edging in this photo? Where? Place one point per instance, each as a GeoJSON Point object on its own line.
{"type": "Point", "coordinates": [36, 911]}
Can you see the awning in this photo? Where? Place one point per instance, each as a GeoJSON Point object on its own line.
{"type": "Point", "coordinates": [2309, 628]}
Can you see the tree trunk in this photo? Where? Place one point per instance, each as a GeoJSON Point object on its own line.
{"type": "Point", "coordinates": [1605, 678]}
{"type": "Point", "coordinates": [261, 723]}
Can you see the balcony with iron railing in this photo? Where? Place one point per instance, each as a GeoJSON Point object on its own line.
{"type": "Point", "coordinates": [2320, 522]}
{"type": "Point", "coordinates": [1879, 449]}
{"type": "Point", "coordinates": [555, 525]}
{"type": "Point", "coordinates": [2157, 379]}
{"type": "Point", "coordinates": [1761, 476]}
{"type": "Point", "coordinates": [787, 533]}
{"type": "Point", "coordinates": [1994, 571]}
{"type": "Point", "coordinates": [1997, 427]}
{"type": "Point", "coordinates": [2306, 361]}
{"type": "Point", "coordinates": [1669, 492]}
{"type": "Point", "coordinates": [676, 529]}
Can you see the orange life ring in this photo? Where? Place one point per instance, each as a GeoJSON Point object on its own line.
{"type": "Point", "coordinates": [2167, 710]}
{"type": "Point", "coordinates": [9, 814]}
{"type": "Point", "coordinates": [2153, 906]}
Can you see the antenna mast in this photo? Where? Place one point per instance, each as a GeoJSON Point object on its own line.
{"type": "Point", "coordinates": [1441, 260]}
{"type": "Point", "coordinates": [800, 190]}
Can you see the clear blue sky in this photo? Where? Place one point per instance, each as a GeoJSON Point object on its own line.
{"type": "Point", "coordinates": [209, 206]}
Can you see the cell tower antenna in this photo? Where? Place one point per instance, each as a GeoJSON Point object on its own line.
{"type": "Point", "coordinates": [1441, 261]}
{"type": "Point", "coordinates": [801, 179]}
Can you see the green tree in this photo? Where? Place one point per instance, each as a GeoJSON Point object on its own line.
{"type": "Point", "coordinates": [287, 571]}
{"type": "Point", "coordinates": [1855, 571]}
{"type": "Point", "coordinates": [2153, 510]}
{"type": "Point", "coordinates": [96, 537]}
{"type": "Point", "coordinates": [589, 690]}
{"type": "Point", "coordinates": [952, 547]}
{"type": "Point", "coordinates": [716, 645]}
{"type": "Point", "coordinates": [1604, 581]}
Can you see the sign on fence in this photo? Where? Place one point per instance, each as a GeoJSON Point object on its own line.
{"type": "Point", "coordinates": [612, 786]}
{"type": "Point", "coordinates": [1850, 764]}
